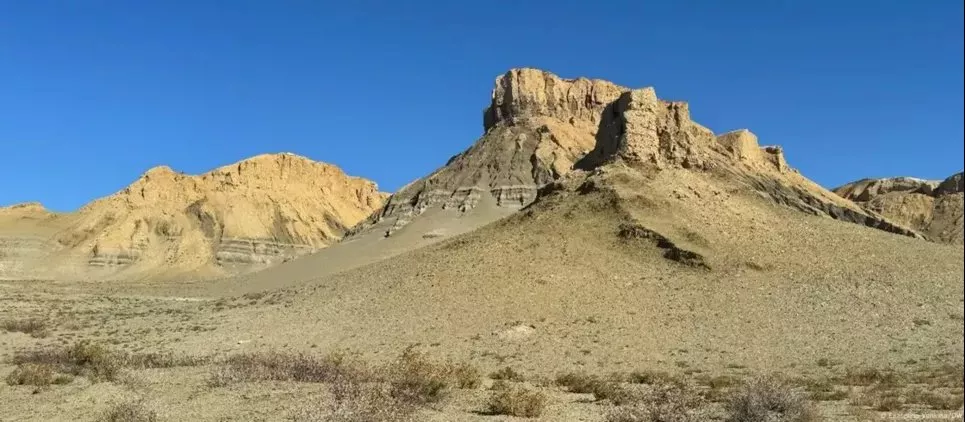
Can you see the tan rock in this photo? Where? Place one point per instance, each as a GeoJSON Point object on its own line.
{"type": "Point", "coordinates": [929, 206]}
{"type": "Point", "coordinates": [540, 127]}
{"type": "Point", "coordinates": [256, 212]}
{"type": "Point", "coordinates": [537, 127]}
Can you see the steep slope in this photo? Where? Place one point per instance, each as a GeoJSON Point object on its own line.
{"type": "Point", "coordinates": [934, 208]}
{"type": "Point", "coordinates": [667, 244]}
{"type": "Point", "coordinates": [584, 125]}
{"type": "Point", "coordinates": [239, 217]}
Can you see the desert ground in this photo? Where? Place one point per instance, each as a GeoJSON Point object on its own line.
{"type": "Point", "coordinates": [595, 256]}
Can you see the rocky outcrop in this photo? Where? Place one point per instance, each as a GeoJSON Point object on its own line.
{"type": "Point", "coordinates": [537, 126]}
{"type": "Point", "coordinates": [642, 130]}
{"type": "Point", "coordinates": [932, 207]}
{"type": "Point", "coordinates": [951, 185]}
{"type": "Point", "coordinates": [865, 189]}
{"type": "Point", "coordinates": [531, 93]}
{"type": "Point", "coordinates": [250, 214]}
{"type": "Point", "coordinates": [540, 127]}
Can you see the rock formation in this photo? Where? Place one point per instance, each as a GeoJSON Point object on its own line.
{"type": "Point", "coordinates": [933, 207]}
{"type": "Point", "coordinates": [254, 213]}
{"type": "Point", "coordinates": [539, 127]}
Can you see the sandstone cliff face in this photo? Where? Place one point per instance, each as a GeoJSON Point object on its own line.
{"type": "Point", "coordinates": [24, 232]}
{"type": "Point", "coordinates": [935, 208]}
{"type": "Point", "coordinates": [254, 213]}
{"type": "Point", "coordinates": [537, 127]}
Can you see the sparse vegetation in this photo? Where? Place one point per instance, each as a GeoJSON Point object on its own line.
{"type": "Point", "coordinates": [869, 376]}
{"type": "Point", "coordinates": [767, 399]}
{"type": "Point", "coordinates": [517, 401]}
{"type": "Point", "coordinates": [93, 361]}
{"type": "Point", "coordinates": [650, 377]}
{"type": "Point", "coordinates": [718, 382]}
{"type": "Point", "coordinates": [280, 366]}
{"type": "Point", "coordinates": [36, 374]}
{"type": "Point", "coordinates": [356, 400]}
{"type": "Point", "coordinates": [666, 402]}
{"type": "Point", "coordinates": [576, 382]}
{"type": "Point", "coordinates": [417, 380]}
{"type": "Point", "coordinates": [507, 374]}
{"type": "Point", "coordinates": [135, 411]}
{"type": "Point", "coordinates": [833, 395]}
{"type": "Point", "coordinates": [934, 399]}
{"type": "Point", "coordinates": [35, 327]}
{"type": "Point", "coordinates": [465, 375]}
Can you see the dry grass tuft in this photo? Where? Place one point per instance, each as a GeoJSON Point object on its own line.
{"type": "Point", "coordinates": [602, 389]}
{"type": "Point", "coordinates": [507, 374]}
{"type": "Point", "coordinates": [517, 401]}
{"type": "Point", "coordinates": [650, 377]}
{"type": "Point", "coordinates": [130, 412]}
{"type": "Point", "coordinates": [37, 374]}
{"type": "Point", "coordinates": [934, 399]}
{"type": "Point", "coordinates": [35, 327]}
{"type": "Point", "coordinates": [870, 376]}
{"type": "Point", "coordinates": [578, 382]}
{"type": "Point", "coordinates": [359, 401]}
{"type": "Point", "coordinates": [667, 402]}
{"type": "Point", "coordinates": [880, 397]}
{"type": "Point", "coordinates": [280, 366]}
{"type": "Point", "coordinates": [417, 380]}
{"type": "Point", "coordinates": [769, 400]}
{"type": "Point", "coordinates": [465, 375]}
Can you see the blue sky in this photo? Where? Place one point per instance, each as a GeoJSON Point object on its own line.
{"type": "Point", "coordinates": [95, 92]}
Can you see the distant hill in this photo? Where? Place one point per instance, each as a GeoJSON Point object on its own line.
{"type": "Point", "coordinates": [932, 207]}
{"type": "Point", "coordinates": [236, 218]}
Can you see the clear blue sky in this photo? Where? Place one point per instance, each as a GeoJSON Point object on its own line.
{"type": "Point", "coordinates": [94, 92]}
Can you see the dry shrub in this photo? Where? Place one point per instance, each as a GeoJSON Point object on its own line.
{"type": "Point", "coordinates": [280, 366]}
{"type": "Point", "coordinates": [517, 401]}
{"type": "Point", "coordinates": [934, 399]}
{"type": "Point", "coordinates": [507, 374]}
{"type": "Point", "coordinates": [465, 375]}
{"type": "Point", "coordinates": [95, 361]}
{"type": "Point", "coordinates": [945, 375]}
{"type": "Point", "coordinates": [37, 374]}
{"type": "Point", "coordinates": [889, 404]}
{"type": "Point", "coordinates": [35, 327]}
{"type": "Point", "coordinates": [833, 395]}
{"type": "Point", "coordinates": [602, 389]}
{"type": "Point", "coordinates": [416, 380]}
{"type": "Point", "coordinates": [881, 397]}
{"type": "Point", "coordinates": [869, 376]}
{"type": "Point", "coordinates": [84, 358]}
{"type": "Point", "coordinates": [134, 411]}
{"type": "Point", "coordinates": [666, 402]}
{"type": "Point", "coordinates": [650, 377]}
{"type": "Point", "coordinates": [616, 393]}
{"type": "Point", "coordinates": [358, 401]}
{"type": "Point", "coordinates": [718, 382]}
{"type": "Point", "coordinates": [160, 360]}
{"type": "Point", "coordinates": [578, 382]}
{"type": "Point", "coordinates": [769, 400]}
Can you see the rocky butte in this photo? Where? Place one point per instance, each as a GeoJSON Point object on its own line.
{"type": "Point", "coordinates": [539, 127]}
